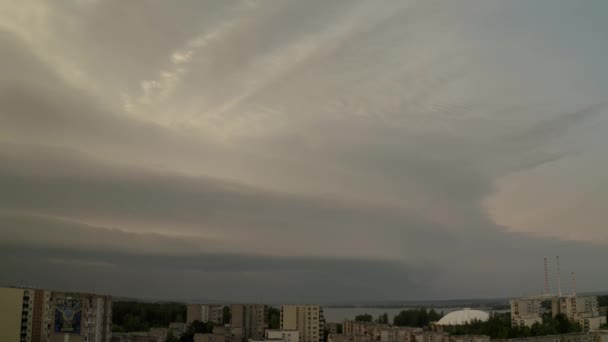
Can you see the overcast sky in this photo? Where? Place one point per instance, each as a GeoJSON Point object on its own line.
{"type": "Point", "coordinates": [303, 150]}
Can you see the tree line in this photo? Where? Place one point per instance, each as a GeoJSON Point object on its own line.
{"type": "Point", "coordinates": [137, 316]}
{"type": "Point", "coordinates": [406, 318]}
{"type": "Point", "coordinates": [499, 326]}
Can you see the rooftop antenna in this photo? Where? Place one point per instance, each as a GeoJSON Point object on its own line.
{"type": "Point", "coordinates": [559, 279]}
{"type": "Point", "coordinates": [547, 290]}
{"type": "Point", "coordinates": [573, 285]}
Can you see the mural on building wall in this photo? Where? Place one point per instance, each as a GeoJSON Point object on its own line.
{"type": "Point", "coordinates": [68, 314]}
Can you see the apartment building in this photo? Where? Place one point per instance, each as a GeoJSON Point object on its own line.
{"type": "Point", "coordinates": [584, 306]}
{"type": "Point", "coordinates": [249, 321]}
{"type": "Point", "coordinates": [307, 319]}
{"type": "Point", "coordinates": [205, 313]}
{"type": "Point", "coordinates": [584, 309]}
{"type": "Point", "coordinates": [526, 311]}
{"type": "Point", "coordinates": [37, 315]}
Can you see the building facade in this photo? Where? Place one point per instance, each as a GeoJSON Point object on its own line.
{"type": "Point", "coordinates": [249, 321]}
{"type": "Point", "coordinates": [526, 311]}
{"type": "Point", "coordinates": [307, 319]}
{"type": "Point", "coordinates": [584, 310]}
{"type": "Point", "coordinates": [205, 313]}
{"type": "Point", "coordinates": [46, 316]}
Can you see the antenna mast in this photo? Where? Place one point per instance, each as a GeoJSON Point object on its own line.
{"type": "Point", "coordinates": [559, 279]}
{"type": "Point", "coordinates": [547, 290]}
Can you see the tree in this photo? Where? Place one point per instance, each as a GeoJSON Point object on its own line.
{"type": "Point", "coordinates": [382, 319]}
{"type": "Point", "coordinates": [499, 326]}
{"type": "Point", "coordinates": [364, 318]}
{"type": "Point", "coordinates": [226, 315]}
{"type": "Point", "coordinates": [136, 316]}
{"type": "Point", "coordinates": [434, 316]}
{"type": "Point", "coordinates": [171, 337]}
{"type": "Point", "coordinates": [274, 318]}
{"type": "Point", "coordinates": [415, 318]}
{"type": "Point", "coordinates": [196, 327]}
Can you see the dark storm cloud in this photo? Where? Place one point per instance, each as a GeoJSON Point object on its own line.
{"type": "Point", "coordinates": [223, 276]}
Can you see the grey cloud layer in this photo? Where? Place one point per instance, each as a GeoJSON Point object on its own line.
{"type": "Point", "coordinates": [295, 145]}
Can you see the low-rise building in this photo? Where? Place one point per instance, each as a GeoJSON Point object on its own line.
{"type": "Point", "coordinates": [178, 328]}
{"type": "Point", "coordinates": [284, 335]}
{"type": "Point", "coordinates": [591, 323]}
{"type": "Point", "coordinates": [363, 331]}
{"type": "Point", "coordinates": [599, 335]}
{"type": "Point", "coordinates": [430, 336]}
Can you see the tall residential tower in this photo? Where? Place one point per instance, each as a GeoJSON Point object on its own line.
{"type": "Point", "coordinates": [307, 319]}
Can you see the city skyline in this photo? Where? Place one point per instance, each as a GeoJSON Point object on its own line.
{"type": "Point", "coordinates": [303, 151]}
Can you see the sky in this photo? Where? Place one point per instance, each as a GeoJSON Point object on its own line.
{"type": "Point", "coordinates": [303, 151]}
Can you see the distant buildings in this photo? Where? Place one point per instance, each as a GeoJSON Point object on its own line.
{"type": "Point", "coordinates": [580, 309]}
{"type": "Point", "coordinates": [526, 311]}
{"type": "Point", "coordinates": [205, 313]}
{"type": "Point", "coordinates": [249, 321]}
{"type": "Point", "coordinates": [37, 315]}
{"type": "Point", "coordinates": [368, 332]}
{"type": "Point", "coordinates": [307, 319]}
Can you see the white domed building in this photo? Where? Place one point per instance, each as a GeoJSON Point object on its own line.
{"type": "Point", "coordinates": [462, 317]}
